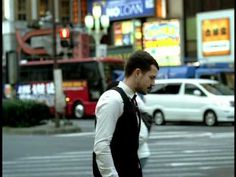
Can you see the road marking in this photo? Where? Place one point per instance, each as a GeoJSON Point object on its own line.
{"type": "Point", "coordinates": [222, 135]}
{"type": "Point", "coordinates": [199, 163]}
{"type": "Point", "coordinates": [75, 134]}
{"type": "Point", "coordinates": [162, 135]}
{"type": "Point", "coordinates": [180, 135]}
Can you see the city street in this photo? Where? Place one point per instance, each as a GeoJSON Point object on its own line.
{"type": "Point", "coordinates": [178, 150]}
{"type": "Point", "coordinates": [60, 56]}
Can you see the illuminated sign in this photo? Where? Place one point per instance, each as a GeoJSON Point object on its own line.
{"type": "Point", "coordinates": [162, 40]}
{"type": "Point", "coordinates": [127, 33]}
{"type": "Point", "coordinates": [45, 91]}
{"type": "Point", "coordinates": [215, 34]}
{"type": "Point", "coordinates": [216, 37]}
{"type": "Point", "coordinates": [125, 9]}
{"type": "Point", "coordinates": [41, 92]}
{"type": "Point", "coordinates": [123, 33]}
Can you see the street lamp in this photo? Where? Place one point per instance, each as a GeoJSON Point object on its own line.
{"type": "Point", "coordinates": [94, 21]}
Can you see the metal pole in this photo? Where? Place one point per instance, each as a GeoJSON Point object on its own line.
{"type": "Point", "coordinates": [97, 44]}
{"type": "Point", "coordinates": [97, 35]}
{"type": "Point", "coordinates": [54, 47]}
{"type": "Point", "coordinates": [55, 65]}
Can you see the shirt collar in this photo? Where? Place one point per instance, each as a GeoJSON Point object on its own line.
{"type": "Point", "coordinates": [129, 92]}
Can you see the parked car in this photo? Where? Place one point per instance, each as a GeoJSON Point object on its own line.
{"type": "Point", "coordinates": [196, 100]}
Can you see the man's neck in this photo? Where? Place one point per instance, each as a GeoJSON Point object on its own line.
{"type": "Point", "coordinates": [129, 82]}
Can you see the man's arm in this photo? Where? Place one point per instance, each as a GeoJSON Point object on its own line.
{"type": "Point", "coordinates": [109, 109]}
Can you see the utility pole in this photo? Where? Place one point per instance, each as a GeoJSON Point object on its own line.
{"type": "Point", "coordinates": [54, 47]}
{"type": "Point", "coordinates": [55, 65]}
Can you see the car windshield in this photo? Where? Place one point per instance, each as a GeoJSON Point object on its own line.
{"type": "Point", "coordinates": [218, 89]}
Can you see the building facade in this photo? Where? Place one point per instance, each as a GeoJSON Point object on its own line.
{"type": "Point", "coordinates": [129, 30]}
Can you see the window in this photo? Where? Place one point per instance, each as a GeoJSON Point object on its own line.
{"type": "Point", "coordinates": [43, 7]}
{"type": "Point", "coordinates": [166, 88]}
{"type": "Point", "coordinates": [65, 11]}
{"type": "Point", "coordinates": [190, 88]}
{"type": "Point", "coordinates": [36, 73]}
{"type": "Point", "coordinates": [71, 71]}
{"type": "Point", "coordinates": [21, 10]}
{"type": "Point", "coordinates": [218, 89]}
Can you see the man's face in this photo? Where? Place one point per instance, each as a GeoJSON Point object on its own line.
{"type": "Point", "coordinates": [146, 80]}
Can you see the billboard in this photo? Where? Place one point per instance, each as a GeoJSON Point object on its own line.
{"type": "Point", "coordinates": [162, 40]}
{"type": "Point", "coordinates": [215, 36]}
{"type": "Point", "coordinates": [125, 9]}
{"type": "Point", "coordinates": [123, 33]}
{"type": "Point", "coordinates": [128, 33]}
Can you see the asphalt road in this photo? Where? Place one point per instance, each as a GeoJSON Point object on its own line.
{"type": "Point", "coordinates": [178, 150]}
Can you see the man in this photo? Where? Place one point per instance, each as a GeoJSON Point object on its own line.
{"type": "Point", "coordinates": [118, 120]}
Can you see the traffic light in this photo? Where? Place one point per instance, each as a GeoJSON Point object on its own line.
{"type": "Point", "coordinates": [65, 37]}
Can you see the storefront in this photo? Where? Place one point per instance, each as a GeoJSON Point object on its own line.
{"type": "Point", "coordinates": [126, 27]}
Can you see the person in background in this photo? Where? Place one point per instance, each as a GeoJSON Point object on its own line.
{"type": "Point", "coordinates": [116, 142]}
{"type": "Point", "coordinates": [143, 151]}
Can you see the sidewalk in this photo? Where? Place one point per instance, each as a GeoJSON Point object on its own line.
{"type": "Point", "coordinates": [46, 129]}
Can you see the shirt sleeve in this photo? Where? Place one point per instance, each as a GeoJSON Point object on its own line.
{"type": "Point", "coordinates": [109, 108]}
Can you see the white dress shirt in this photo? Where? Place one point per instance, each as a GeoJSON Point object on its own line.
{"type": "Point", "coordinates": [109, 108]}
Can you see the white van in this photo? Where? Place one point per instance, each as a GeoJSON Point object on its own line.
{"type": "Point", "coordinates": [197, 100]}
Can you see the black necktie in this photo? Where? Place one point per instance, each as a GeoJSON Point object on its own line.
{"type": "Point", "coordinates": [133, 100]}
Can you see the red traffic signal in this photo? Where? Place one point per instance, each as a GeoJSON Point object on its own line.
{"type": "Point", "coordinates": [64, 33]}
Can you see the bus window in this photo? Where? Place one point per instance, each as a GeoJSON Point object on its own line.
{"type": "Point", "coordinates": [36, 73]}
{"type": "Point", "coordinates": [71, 72]}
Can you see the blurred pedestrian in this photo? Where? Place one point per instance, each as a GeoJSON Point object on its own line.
{"type": "Point", "coordinates": [115, 152]}
{"type": "Point", "coordinates": [145, 128]}
{"type": "Point", "coordinates": [143, 151]}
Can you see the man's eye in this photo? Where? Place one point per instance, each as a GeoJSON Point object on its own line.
{"type": "Point", "coordinates": [152, 77]}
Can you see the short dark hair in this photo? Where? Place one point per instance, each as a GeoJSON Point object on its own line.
{"type": "Point", "coordinates": [140, 59]}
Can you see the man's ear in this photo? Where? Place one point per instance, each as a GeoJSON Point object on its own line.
{"type": "Point", "coordinates": [138, 71]}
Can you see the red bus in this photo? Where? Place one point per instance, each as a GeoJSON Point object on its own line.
{"type": "Point", "coordinates": [84, 80]}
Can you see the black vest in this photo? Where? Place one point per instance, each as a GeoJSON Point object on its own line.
{"type": "Point", "coordinates": [125, 142]}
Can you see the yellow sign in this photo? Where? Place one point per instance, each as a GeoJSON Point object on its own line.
{"type": "Point", "coordinates": [216, 37]}
{"type": "Point", "coordinates": [71, 84]}
{"type": "Point", "coordinates": [162, 40]}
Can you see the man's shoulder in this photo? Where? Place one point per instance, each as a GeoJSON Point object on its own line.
{"type": "Point", "coordinates": [110, 98]}
{"type": "Point", "coordinates": [111, 94]}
